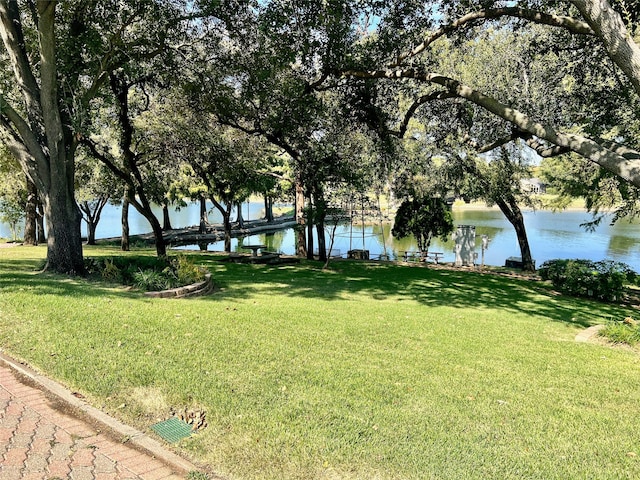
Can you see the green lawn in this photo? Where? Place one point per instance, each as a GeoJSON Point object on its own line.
{"type": "Point", "coordinates": [362, 371]}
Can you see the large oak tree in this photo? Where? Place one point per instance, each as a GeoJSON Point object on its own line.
{"type": "Point", "coordinates": [59, 57]}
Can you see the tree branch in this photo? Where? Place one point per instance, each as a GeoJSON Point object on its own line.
{"type": "Point", "coordinates": [620, 160]}
{"type": "Point", "coordinates": [49, 86]}
{"type": "Point", "coordinates": [16, 146]}
{"type": "Point", "coordinates": [15, 46]}
{"type": "Point", "coordinates": [568, 23]}
{"type": "Point", "coordinates": [492, 146]}
{"type": "Point", "coordinates": [28, 139]}
{"type": "Point", "coordinates": [543, 150]}
{"type": "Point", "coordinates": [439, 95]}
{"type": "Point", "coordinates": [106, 160]}
{"type": "Point", "coordinates": [610, 29]}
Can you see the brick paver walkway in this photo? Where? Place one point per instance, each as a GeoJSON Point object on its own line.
{"type": "Point", "coordinates": [39, 442]}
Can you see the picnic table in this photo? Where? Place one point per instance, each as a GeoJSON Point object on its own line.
{"type": "Point", "coordinates": [411, 255]}
{"type": "Point", "coordinates": [435, 256]}
{"type": "Point", "coordinates": [254, 249]}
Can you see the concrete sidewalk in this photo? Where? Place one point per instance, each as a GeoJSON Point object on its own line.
{"type": "Point", "coordinates": [46, 433]}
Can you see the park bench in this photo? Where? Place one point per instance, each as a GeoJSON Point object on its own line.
{"type": "Point", "coordinates": [413, 256]}
{"type": "Point", "coordinates": [435, 256]}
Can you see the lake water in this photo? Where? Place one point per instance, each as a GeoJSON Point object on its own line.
{"type": "Point", "coordinates": [551, 235]}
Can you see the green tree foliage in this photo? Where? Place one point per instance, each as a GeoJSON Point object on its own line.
{"type": "Point", "coordinates": [587, 63]}
{"type": "Point", "coordinates": [264, 83]}
{"type": "Point", "coordinates": [604, 280]}
{"type": "Point", "coordinates": [58, 59]}
{"type": "Point", "coordinates": [218, 163]}
{"type": "Point", "coordinates": [95, 187]}
{"type": "Point", "coordinates": [425, 219]}
{"type": "Point", "coordinates": [604, 194]}
{"type": "Point", "coordinates": [13, 194]}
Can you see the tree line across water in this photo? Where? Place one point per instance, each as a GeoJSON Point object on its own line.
{"type": "Point", "coordinates": [150, 102]}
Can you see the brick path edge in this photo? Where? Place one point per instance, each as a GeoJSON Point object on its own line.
{"type": "Point", "coordinates": [136, 438]}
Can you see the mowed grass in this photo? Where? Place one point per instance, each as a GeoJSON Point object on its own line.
{"type": "Point", "coordinates": [362, 371]}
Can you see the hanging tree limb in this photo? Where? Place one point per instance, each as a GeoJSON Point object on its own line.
{"type": "Point", "coordinates": [569, 23]}
{"type": "Point", "coordinates": [615, 158]}
{"type": "Point", "coordinates": [540, 148]}
{"type": "Point", "coordinates": [438, 95]}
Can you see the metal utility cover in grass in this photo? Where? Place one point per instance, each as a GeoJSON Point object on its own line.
{"type": "Point", "coordinates": [172, 429]}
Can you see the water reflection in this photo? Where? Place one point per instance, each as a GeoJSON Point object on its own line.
{"type": "Point", "coordinates": [551, 235]}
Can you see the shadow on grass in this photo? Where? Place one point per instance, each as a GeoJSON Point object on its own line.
{"type": "Point", "coordinates": [431, 287]}
{"type": "Point", "coordinates": [20, 275]}
{"type": "Point", "coordinates": [345, 279]}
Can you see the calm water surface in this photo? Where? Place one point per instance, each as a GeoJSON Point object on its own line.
{"type": "Point", "coordinates": [551, 235]}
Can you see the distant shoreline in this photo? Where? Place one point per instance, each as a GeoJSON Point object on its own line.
{"type": "Point", "coordinates": [462, 206]}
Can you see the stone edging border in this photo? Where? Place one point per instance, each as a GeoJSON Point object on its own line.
{"type": "Point", "coordinates": [192, 290]}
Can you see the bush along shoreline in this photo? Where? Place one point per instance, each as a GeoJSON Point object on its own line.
{"type": "Point", "coordinates": [603, 280]}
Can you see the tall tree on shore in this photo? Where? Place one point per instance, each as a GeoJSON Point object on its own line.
{"type": "Point", "coordinates": [34, 126]}
{"type": "Point", "coordinates": [266, 88]}
{"type": "Point", "coordinates": [217, 163]}
{"type": "Point", "coordinates": [96, 186]}
{"type": "Point", "coordinates": [138, 167]}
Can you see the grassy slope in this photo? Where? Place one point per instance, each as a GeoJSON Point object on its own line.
{"type": "Point", "coordinates": [362, 371]}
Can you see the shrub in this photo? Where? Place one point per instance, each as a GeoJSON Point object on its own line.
{"type": "Point", "coordinates": [626, 331]}
{"type": "Point", "coordinates": [186, 271]}
{"type": "Point", "coordinates": [147, 273]}
{"type": "Point", "coordinates": [150, 280]}
{"type": "Point", "coordinates": [604, 280]}
{"type": "Point", "coordinates": [110, 271]}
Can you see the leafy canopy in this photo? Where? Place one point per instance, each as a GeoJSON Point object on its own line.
{"type": "Point", "coordinates": [423, 218]}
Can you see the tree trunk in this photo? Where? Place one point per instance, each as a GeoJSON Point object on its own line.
{"type": "Point", "coordinates": [310, 242]}
{"type": "Point", "coordinates": [226, 219]}
{"type": "Point", "coordinates": [239, 217]}
{"type": "Point", "coordinates": [319, 217]}
{"type": "Point", "coordinates": [322, 243]}
{"type": "Point", "coordinates": [156, 228]}
{"type": "Point", "coordinates": [42, 143]}
{"type": "Point", "coordinates": [301, 246]}
{"type": "Point", "coordinates": [124, 242]}
{"type": "Point", "coordinates": [204, 220]}
{"type": "Point", "coordinates": [141, 204]}
{"type": "Point", "coordinates": [268, 208]}
{"type": "Point", "coordinates": [310, 245]}
{"type": "Point", "coordinates": [91, 232]}
{"type": "Point", "coordinates": [225, 211]}
{"type": "Point", "coordinates": [64, 243]}
{"type": "Point", "coordinates": [332, 238]}
{"type": "Point", "coordinates": [92, 211]}
{"type": "Point", "coordinates": [40, 222]}
{"type": "Point", "coordinates": [166, 220]}
{"type": "Point", "coordinates": [161, 247]}
{"type": "Point", "coordinates": [31, 215]}
{"type": "Point", "coordinates": [510, 209]}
